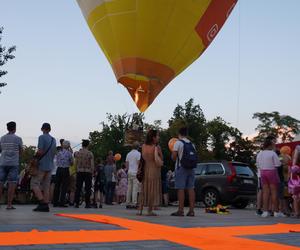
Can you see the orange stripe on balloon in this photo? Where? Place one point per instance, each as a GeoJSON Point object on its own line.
{"type": "Point", "coordinates": [213, 19]}
{"type": "Point", "coordinates": [143, 92]}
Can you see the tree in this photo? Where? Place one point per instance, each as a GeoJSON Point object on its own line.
{"type": "Point", "coordinates": [5, 56]}
{"type": "Point", "coordinates": [242, 150]}
{"type": "Point", "coordinates": [283, 127]}
{"type": "Point", "coordinates": [27, 155]}
{"type": "Point", "coordinates": [220, 134]}
{"type": "Point", "coordinates": [192, 117]}
{"type": "Point", "coordinates": [111, 137]}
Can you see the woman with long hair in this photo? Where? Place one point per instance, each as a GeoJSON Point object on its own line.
{"type": "Point", "coordinates": [151, 195]}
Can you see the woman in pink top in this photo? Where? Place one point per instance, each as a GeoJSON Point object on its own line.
{"type": "Point", "coordinates": [267, 162]}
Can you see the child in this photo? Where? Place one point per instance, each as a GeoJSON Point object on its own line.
{"type": "Point", "coordinates": [99, 184]}
{"type": "Point", "coordinates": [294, 185]}
{"type": "Point", "coordinates": [122, 185]}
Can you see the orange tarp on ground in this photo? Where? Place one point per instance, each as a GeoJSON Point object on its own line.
{"type": "Point", "coordinates": [204, 238]}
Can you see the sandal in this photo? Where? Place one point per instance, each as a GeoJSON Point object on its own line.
{"type": "Point", "coordinates": [190, 214]}
{"type": "Point", "coordinates": [151, 214]}
{"type": "Point", "coordinates": [178, 213]}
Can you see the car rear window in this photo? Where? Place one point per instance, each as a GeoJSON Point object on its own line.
{"type": "Point", "coordinates": [243, 170]}
{"type": "Point", "coordinates": [199, 169]}
{"type": "Point", "coordinates": [214, 169]}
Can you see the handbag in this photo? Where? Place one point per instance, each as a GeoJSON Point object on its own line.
{"type": "Point", "coordinates": [34, 163]}
{"type": "Point", "coordinates": [141, 170]}
{"type": "Point", "coordinates": [33, 166]}
{"type": "Point", "coordinates": [158, 161]}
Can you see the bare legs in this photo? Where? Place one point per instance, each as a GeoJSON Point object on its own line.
{"type": "Point", "coordinates": [267, 189]}
{"type": "Point", "coordinates": [11, 192]}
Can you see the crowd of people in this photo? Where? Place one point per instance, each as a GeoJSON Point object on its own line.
{"type": "Point", "coordinates": [64, 178]}
{"type": "Point", "coordinates": [278, 181]}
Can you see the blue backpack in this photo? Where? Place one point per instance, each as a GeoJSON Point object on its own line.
{"type": "Point", "coordinates": [189, 158]}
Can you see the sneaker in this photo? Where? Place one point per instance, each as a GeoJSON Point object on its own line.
{"type": "Point", "coordinates": [63, 205]}
{"type": "Point", "coordinates": [265, 214]}
{"type": "Point", "coordinates": [177, 213]}
{"type": "Point", "coordinates": [42, 208]}
{"type": "Point", "coordinates": [279, 214]}
{"type": "Point", "coordinates": [258, 212]}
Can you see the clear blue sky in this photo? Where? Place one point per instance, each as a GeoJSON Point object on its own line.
{"type": "Point", "coordinates": [61, 76]}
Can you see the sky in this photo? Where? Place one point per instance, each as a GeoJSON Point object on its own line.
{"type": "Point", "coordinates": [61, 76]}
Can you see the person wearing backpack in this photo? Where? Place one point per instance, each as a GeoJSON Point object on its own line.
{"type": "Point", "coordinates": [185, 156]}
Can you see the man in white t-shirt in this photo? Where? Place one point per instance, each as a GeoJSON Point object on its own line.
{"type": "Point", "coordinates": [132, 164]}
{"type": "Point", "coordinates": [184, 178]}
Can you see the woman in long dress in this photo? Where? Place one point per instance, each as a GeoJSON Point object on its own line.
{"type": "Point", "coordinates": [151, 195]}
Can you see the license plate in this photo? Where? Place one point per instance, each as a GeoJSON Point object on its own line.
{"type": "Point", "coordinates": [248, 181]}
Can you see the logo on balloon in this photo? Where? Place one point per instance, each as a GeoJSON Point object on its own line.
{"type": "Point", "coordinates": [212, 32]}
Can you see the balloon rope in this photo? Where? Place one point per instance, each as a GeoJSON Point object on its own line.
{"type": "Point", "coordinates": [239, 66]}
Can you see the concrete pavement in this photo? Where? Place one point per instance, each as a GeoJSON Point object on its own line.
{"type": "Point", "coordinates": [23, 219]}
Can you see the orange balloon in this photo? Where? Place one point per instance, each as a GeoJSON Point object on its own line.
{"type": "Point", "coordinates": [172, 143]}
{"type": "Point", "coordinates": [286, 150]}
{"type": "Point", "coordinates": [117, 157]}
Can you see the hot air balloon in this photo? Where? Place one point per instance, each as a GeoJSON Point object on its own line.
{"type": "Point", "coordinates": [149, 42]}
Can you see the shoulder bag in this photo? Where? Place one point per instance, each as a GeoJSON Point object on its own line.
{"type": "Point", "coordinates": [158, 161]}
{"type": "Point", "coordinates": [34, 163]}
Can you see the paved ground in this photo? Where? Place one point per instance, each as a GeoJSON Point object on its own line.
{"type": "Point", "coordinates": [24, 220]}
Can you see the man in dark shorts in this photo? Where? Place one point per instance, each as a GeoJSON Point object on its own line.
{"type": "Point", "coordinates": [184, 178]}
{"type": "Point", "coordinates": [10, 149]}
{"type": "Point", "coordinates": [40, 184]}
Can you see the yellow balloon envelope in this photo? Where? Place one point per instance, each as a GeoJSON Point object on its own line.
{"type": "Point", "coordinates": [149, 42]}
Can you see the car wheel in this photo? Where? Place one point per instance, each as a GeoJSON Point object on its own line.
{"type": "Point", "coordinates": [241, 204]}
{"type": "Point", "coordinates": [211, 197]}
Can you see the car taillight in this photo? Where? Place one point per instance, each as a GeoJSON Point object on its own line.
{"type": "Point", "coordinates": [232, 176]}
